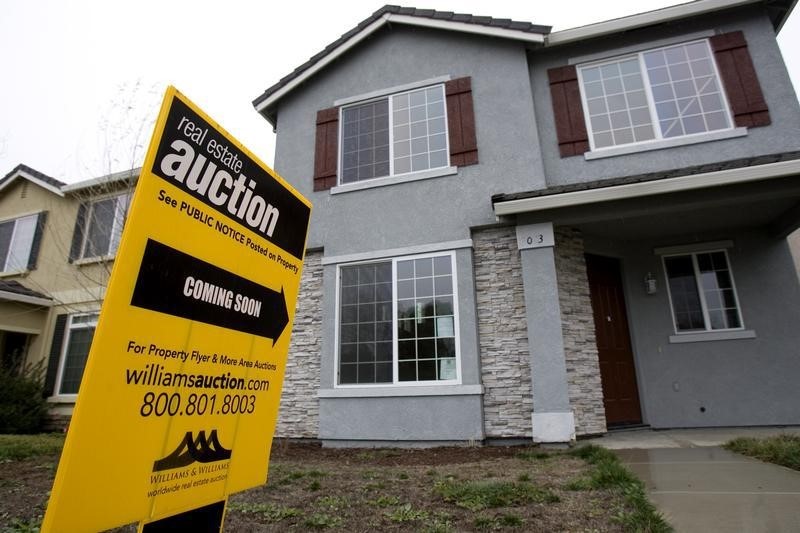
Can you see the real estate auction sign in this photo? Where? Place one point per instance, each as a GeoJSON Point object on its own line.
{"type": "Point", "coordinates": [180, 394]}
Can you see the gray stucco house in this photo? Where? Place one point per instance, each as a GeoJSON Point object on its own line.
{"type": "Point", "coordinates": [520, 233]}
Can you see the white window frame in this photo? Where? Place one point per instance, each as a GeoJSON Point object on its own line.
{"type": "Point", "coordinates": [701, 293]}
{"type": "Point", "coordinates": [69, 327]}
{"type": "Point", "coordinates": [396, 383]}
{"type": "Point", "coordinates": [429, 172]}
{"type": "Point", "coordinates": [24, 268]}
{"type": "Point", "coordinates": [659, 141]}
{"type": "Point", "coordinates": [121, 209]}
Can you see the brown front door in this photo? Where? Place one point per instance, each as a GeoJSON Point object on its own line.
{"type": "Point", "coordinates": [617, 372]}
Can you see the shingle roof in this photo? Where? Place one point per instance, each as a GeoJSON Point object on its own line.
{"type": "Point", "coordinates": [18, 288]}
{"type": "Point", "coordinates": [651, 176]}
{"type": "Point", "coordinates": [35, 173]}
{"type": "Point", "coordinates": [464, 18]}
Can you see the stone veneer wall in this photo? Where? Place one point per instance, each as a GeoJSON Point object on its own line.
{"type": "Point", "coordinates": [580, 346]}
{"type": "Point", "coordinates": [503, 332]}
{"type": "Point", "coordinates": [299, 411]}
{"type": "Point", "coordinates": [505, 359]}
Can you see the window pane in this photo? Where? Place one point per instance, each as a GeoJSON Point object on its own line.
{"type": "Point", "coordinates": [715, 281]}
{"type": "Point", "coordinates": [683, 291]}
{"type": "Point", "coordinates": [687, 76]}
{"type": "Point", "coordinates": [78, 344]}
{"type": "Point", "coordinates": [362, 345]}
{"type": "Point", "coordinates": [432, 325]}
{"type": "Point", "coordinates": [100, 228]}
{"type": "Point", "coordinates": [426, 131]}
{"type": "Point", "coordinates": [19, 249]}
{"type": "Point", "coordinates": [6, 232]}
{"type": "Point", "coordinates": [365, 132]}
{"type": "Point", "coordinates": [612, 99]}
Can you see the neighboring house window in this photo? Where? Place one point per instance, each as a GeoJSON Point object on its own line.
{"type": "Point", "coordinates": [77, 341]}
{"type": "Point", "coordinates": [398, 134]}
{"type": "Point", "coordinates": [702, 292]}
{"type": "Point", "coordinates": [16, 242]}
{"type": "Point", "coordinates": [658, 94]}
{"type": "Point", "coordinates": [398, 321]}
{"type": "Point", "coordinates": [104, 226]}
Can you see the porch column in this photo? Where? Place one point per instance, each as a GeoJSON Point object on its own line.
{"type": "Point", "coordinates": [552, 417]}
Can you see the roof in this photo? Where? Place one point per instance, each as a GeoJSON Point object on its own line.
{"type": "Point", "coordinates": [34, 176]}
{"type": "Point", "coordinates": [17, 292]}
{"type": "Point", "coordinates": [116, 177]}
{"type": "Point", "coordinates": [497, 27]}
{"type": "Point", "coordinates": [708, 175]}
{"type": "Point", "coordinates": [778, 11]}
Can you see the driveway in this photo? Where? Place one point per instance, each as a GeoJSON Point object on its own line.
{"type": "Point", "coordinates": [700, 487]}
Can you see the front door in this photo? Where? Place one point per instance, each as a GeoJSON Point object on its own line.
{"type": "Point", "coordinates": [617, 371]}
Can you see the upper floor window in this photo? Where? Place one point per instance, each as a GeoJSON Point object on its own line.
{"type": "Point", "coordinates": [393, 135]}
{"type": "Point", "coordinates": [104, 221]}
{"type": "Point", "coordinates": [16, 242]}
{"type": "Point", "coordinates": [702, 292]}
{"type": "Point", "coordinates": [398, 321]}
{"type": "Point", "coordinates": [658, 94]}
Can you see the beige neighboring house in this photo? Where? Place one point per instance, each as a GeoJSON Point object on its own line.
{"type": "Point", "coordinates": [57, 246]}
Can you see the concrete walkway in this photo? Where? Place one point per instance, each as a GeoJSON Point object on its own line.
{"type": "Point", "coordinates": [700, 487]}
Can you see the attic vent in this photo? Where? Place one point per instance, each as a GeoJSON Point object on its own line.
{"type": "Point", "coordinates": [24, 192]}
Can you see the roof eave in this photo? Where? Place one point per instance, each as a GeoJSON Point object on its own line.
{"type": "Point", "coordinates": [635, 190]}
{"type": "Point", "coordinates": [116, 177]}
{"type": "Point", "coordinates": [659, 16]}
{"type": "Point", "coordinates": [33, 179]}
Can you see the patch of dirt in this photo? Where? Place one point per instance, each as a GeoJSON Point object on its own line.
{"type": "Point", "coordinates": [312, 488]}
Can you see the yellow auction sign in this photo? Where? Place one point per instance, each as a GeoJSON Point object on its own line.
{"type": "Point", "coordinates": [180, 394]}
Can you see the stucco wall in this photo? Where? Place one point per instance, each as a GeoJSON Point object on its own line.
{"type": "Point", "coordinates": [433, 210]}
{"type": "Point", "coordinates": [782, 135]}
{"type": "Point", "coordinates": [298, 416]}
{"type": "Point", "coordinates": [716, 383]}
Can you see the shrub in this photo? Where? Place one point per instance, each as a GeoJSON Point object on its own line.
{"type": "Point", "coordinates": [22, 404]}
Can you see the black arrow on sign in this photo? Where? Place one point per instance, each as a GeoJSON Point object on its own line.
{"type": "Point", "coordinates": [178, 284]}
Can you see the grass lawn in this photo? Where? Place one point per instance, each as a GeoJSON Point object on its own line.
{"type": "Point", "coordinates": [435, 490]}
{"type": "Point", "coordinates": [782, 450]}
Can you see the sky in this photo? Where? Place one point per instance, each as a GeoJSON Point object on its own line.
{"type": "Point", "coordinates": [83, 80]}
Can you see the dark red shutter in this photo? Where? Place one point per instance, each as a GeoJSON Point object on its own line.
{"type": "Point", "coordinates": [461, 122]}
{"type": "Point", "coordinates": [740, 80]}
{"type": "Point", "coordinates": [326, 153]}
{"type": "Point", "coordinates": [568, 111]}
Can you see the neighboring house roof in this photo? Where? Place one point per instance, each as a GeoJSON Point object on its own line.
{"type": "Point", "coordinates": [109, 179]}
{"type": "Point", "coordinates": [673, 180]}
{"type": "Point", "coordinates": [15, 291]}
{"type": "Point", "coordinates": [447, 20]}
{"type": "Point", "coordinates": [778, 11]}
{"type": "Point", "coordinates": [34, 176]}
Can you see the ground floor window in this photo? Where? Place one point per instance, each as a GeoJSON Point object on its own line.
{"type": "Point", "coordinates": [702, 292]}
{"type": "Point", "coordinates": [397, 321]}
{"type": "Point", "coordinates": [77, 341]}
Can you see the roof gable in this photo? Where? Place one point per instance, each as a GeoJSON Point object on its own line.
{"type": "Point", "coordinates": [34, 176]}
{"type": "Point", "coordinates": [429, 18]}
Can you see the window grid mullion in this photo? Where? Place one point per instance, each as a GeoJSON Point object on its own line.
{"type": "Point", "coordinates": [733, 288]}
{"type": "Point", "coordinates": [701, 292]}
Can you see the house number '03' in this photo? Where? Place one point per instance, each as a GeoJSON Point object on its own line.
{"type": "Point", "coordinates": [535, 235]}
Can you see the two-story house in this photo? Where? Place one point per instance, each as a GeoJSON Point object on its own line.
{"type": "Point", "coordinates": [520, 233]}
{"type": "Point", "coordinates": [57, 244]}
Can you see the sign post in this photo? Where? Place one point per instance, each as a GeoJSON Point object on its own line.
{"type": "Point", "coordinates": [179, 399]}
